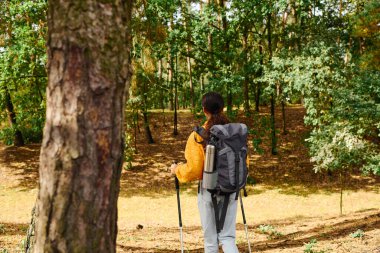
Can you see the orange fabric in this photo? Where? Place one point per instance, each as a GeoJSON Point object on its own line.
{"type": "Point", "coordinates": [194, 154]}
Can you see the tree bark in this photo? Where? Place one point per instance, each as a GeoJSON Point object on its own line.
{"type": "Point", "coordinates": [18, 139]}
{"type": "Point", "coordinates": [82, 149]}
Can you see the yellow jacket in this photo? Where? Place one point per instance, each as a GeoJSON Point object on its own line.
{"type": "Point", "coordinates": [195, 156]}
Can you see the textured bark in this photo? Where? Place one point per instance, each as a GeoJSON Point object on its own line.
{"type": "Point", "coordinates": [18, 139]}
{"type": "Point", "coordinates": [82, 149]}
{"type": "Point", "coordinates": [29, 241]}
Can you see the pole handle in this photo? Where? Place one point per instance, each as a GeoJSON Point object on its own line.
{"type": "Point", "coordinates": [176, 183]}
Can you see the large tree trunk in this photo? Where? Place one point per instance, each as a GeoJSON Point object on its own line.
{"type": "Point", "coordinates": [18, 139]}
{"type": "Point", "coordinates": [82, 149]}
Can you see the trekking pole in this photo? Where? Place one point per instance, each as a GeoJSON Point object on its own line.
{"type": "Point", "coordinates": [244, 220]}
{"type": "Point", "coordinates": [179, 212]}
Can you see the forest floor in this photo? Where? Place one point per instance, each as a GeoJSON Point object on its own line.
{"type": "Point", "coordinates": [289, 205]}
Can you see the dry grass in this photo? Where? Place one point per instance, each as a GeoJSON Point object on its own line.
{"type": "Point", "coordinates": [288, 195]}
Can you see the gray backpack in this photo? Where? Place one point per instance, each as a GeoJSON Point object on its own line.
{"type": "Point", "coordinates": [230, 172]}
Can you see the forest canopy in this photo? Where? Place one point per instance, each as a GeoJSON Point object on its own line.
{"type": "Point", "coordinates": [323, 54]}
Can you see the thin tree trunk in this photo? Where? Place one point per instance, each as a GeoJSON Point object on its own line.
{"type": "Point", "coordinates": [272, 97]}
{"type": "Point", "coordinates": [192, 98]}
{"type": "Point", "coordinates": [257, 97]}
{"type": "Point", "coordinates": [160, 65]}
{"type": "Point", "coordinates": [18, 139]}
{"type": "Point", "coordinates": [148, 133]}
{"type": "Point", "coordinates": [284, 131]}
{"type": "Point", "coordinates": [135, 123]}
{"type": "Point", "coordinates": [226, 50]}
{"type": "Point", "coordinates": [175, 129]}
{"type": "Point", "coordinates": [202, 83]}
{"type": "Point", "coordinates": [185, 7]}
{"type": "Point", "coordinates": [209, 37]}
{"type": "Point", "coordinates": [246, 81]}
{"type": "Point", "coordinates": [258, 85]}
{"type": "Point", "coordinates": [82, 149]}
{"type": "Point", "coordinates": [341, 179]}
{"type": "Point", "coordinates": [160, 83]}
{"type": "Point", "coordinates": [170, 75]}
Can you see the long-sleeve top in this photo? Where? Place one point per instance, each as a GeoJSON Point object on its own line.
{"type": "Point", "coordinates": [194, 154]}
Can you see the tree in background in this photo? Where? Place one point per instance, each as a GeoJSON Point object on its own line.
{"type": "Point", "coordinates": [82, 148]}
{"type": "Point", "coordinates": [22, 70]}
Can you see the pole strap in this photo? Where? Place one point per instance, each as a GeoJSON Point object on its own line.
{"type": "Point", "coordinates": [237, 161]}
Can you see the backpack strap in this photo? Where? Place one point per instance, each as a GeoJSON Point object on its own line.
{"type": "Point", "coordinates": [219, 221]}
{"type": "Point", "coordinates": [215, 205]}
{"type": "Point", "coordinates": [202, 133]}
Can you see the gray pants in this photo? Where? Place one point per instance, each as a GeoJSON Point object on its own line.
{"type": "Point", "coordinates": [226, 237]}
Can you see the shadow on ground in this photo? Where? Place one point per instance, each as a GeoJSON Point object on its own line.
{"type": "Point", "coordinates": [292, 240]}
{"type": "Point", "coordinates": [20, 165]}
{"type": "Point", "coordinates": [290, 171]}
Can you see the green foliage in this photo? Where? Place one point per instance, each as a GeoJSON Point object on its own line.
{"type": "Point", "coordinates": [320, 53]}
{"type": "Point", "coordinates": [129, 150]}
{"type": "Point", "coordinates": [357, 234]}
{"type": "Point", "coordinates": [22, 65]}
{"type": "Point", "coordinates": [270, 231]}
{"type": "Point", "coordinates": [259, 131]}
{"type": "Point", "coordinates": [310, 247]}
{"type": "Point", "coordinates": [2, 250]}
{"type": "Point", "coordinates": [251, 180]}
{"type": "Point", "coordinates": [2, 229]}
{"type": "Point", "coordinates": [7, 135]}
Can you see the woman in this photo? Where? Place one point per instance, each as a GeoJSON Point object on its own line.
{"type": "Point", "coordinates": [212, 104]}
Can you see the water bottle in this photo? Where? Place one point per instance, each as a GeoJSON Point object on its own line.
{"type": "Point", "coordinates": [209, 174]}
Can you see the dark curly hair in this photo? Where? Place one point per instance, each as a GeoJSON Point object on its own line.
{"type": "Point", "coordinates": [213, 103]}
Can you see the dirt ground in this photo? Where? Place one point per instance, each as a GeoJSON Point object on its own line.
{"type": "Point", "coordinates": [288, 204]}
